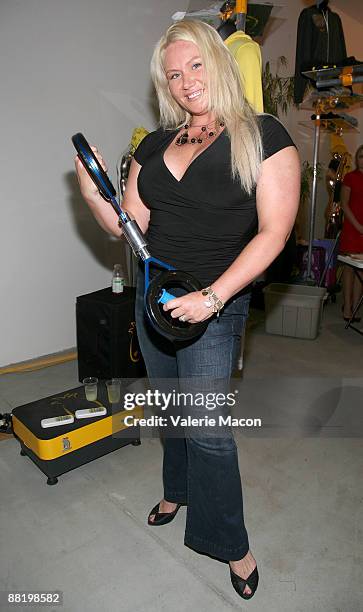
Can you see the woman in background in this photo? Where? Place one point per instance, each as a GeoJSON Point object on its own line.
{"type": "Point", "coordinates": [351, 238]}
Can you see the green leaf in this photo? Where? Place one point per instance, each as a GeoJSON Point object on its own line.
{"type": "Point", "coordinates": [278, 92]}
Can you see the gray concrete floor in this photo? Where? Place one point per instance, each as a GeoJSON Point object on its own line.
{"type": "Point", "coordinates": [87, 536]}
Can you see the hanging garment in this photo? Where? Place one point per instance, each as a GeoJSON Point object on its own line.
{"type": "Point", "coordinates": [320, 42]}
{"type": "Point", "coordinates": [247, 53]}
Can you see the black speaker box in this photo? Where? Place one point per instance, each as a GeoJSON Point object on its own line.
{"type": "Point", "coordinates": [106, 335]}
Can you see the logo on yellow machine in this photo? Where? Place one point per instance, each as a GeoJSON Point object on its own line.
{"type": "Point", "coordinates": [66, 444]}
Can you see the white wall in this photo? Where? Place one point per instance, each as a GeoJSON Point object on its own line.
{"type": "Point", "coordinates": [66, 66]}
{"type": "Point", "coordinates": [83, 65]}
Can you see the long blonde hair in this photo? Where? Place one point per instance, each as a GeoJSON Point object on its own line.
{"type": "Point", "coordinates": [225, 93]}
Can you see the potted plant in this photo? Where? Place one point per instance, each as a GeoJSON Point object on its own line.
{"type": "Point", "coordinates": [278, 91]}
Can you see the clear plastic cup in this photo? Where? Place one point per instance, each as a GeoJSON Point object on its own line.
{"type": "Point", "coordinates": [113, 387]}
{"type": "Point", "coordinates": [90, 388]}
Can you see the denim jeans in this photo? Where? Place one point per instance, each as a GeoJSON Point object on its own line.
{"type": "Point", "coordinates": [201, 469]}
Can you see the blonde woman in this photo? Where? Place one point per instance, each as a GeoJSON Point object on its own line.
{"type": "Point", "coordinates": [216, 189]}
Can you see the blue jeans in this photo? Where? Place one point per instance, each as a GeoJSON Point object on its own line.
{"type": "Point", "coordinates": [201, 469]}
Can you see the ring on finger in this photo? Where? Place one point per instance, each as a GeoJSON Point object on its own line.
{"type": "Point", "coordinates": [183, 318]}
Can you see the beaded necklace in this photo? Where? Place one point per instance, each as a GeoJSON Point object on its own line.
{"type": "Point", "coordinates": [205, 134]}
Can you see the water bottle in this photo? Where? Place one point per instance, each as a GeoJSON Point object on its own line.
{"type": "Point", "coordinates": [117, 279]}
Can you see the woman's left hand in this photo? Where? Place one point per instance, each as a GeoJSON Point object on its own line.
{"type": "Point", "coordinates": [190, 306]}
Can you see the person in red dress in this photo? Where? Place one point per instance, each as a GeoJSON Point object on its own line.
{"type": "Point", "coordinates": [351, 238]}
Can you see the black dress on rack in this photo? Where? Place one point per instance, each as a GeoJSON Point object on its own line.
{"type": "Point", "coordinates": [317, 45]}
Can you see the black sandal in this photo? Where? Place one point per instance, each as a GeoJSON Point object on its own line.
{"type": "Point", "coordinates": [239, 583]}
{"type": "Point", "coordinates": [162, 518]}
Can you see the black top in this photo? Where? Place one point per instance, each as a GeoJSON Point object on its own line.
{"type": "Point", "coordinates": [201, 223]}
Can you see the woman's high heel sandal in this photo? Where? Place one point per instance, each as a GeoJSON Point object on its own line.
{"type": "Point", "coordinates": [239, 584]}
{"type": "Point", "coordinates": [161, 518]}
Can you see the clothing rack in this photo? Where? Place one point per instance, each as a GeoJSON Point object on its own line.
{"type": "Point", "coordinates": [326, 77]}
{"type": "Point", "coordinates": [241, 14]}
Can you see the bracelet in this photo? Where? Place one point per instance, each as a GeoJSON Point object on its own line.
{"type": "Point", "coordinates": [213, 300]}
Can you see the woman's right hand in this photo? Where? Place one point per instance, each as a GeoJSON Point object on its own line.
{"type": "Point", "coordinates": [88, 188]}
{"type": "Point", "coordinates": [102, 211]}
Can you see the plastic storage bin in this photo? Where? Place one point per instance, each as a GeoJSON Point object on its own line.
{"type": "Point", "coordinates": [293, 310]}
